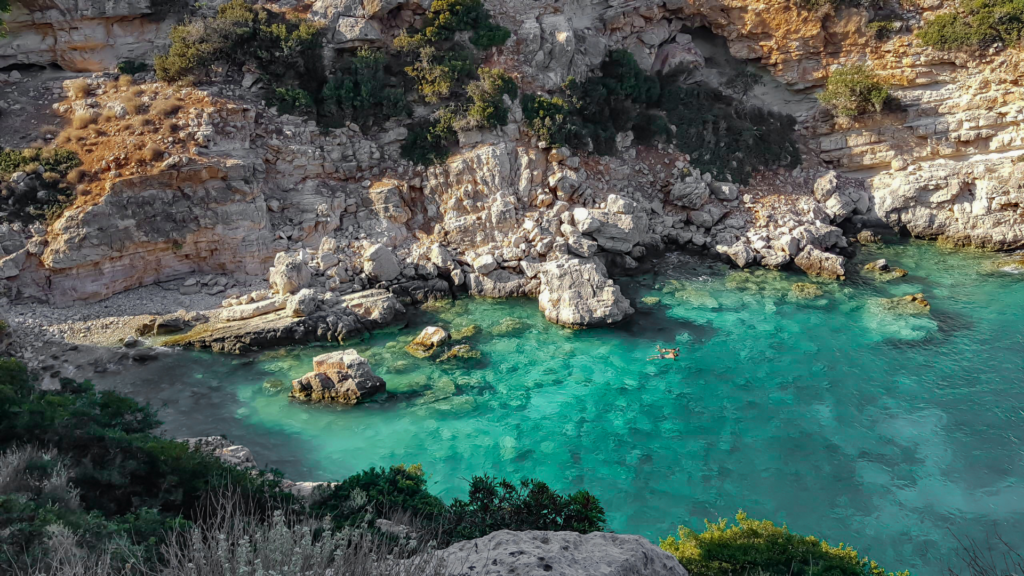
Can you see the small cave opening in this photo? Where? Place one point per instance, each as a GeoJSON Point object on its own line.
{"type": "Point", "coordinates": [721, 67]}
{"type": "Point", "coordinates": [23, 67]}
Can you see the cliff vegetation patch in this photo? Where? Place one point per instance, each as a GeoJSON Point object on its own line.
{"type": "Point", "coordinates": [854, 90]}
{"type": "Point", "coordinates": [722, 134]}
{"type": "Point", "coordinates": [975, 24]}
{"type": "Point", "coordinates": [36, 183]}
{"type": "Point", "coordinates": [761, 547]}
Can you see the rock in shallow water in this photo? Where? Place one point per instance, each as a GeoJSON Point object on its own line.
{"type": "Point", "coordinates": [338, 377]}
{"type": "Point", "coordinates": [535, 553]}
{"type": "Point", "coordinates": [576, 292]}
{"type": "Point", "coordinates": [427, 342]}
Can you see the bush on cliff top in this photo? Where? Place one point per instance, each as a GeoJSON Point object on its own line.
{"type": "Point", "coordinates": [721, 134]}
{"type": "Point", "coordinates": [287, 50]}
{"type": "Point", "coordinates": [759, 546]}
{"type": "Point", "coordinates": [975, 24]}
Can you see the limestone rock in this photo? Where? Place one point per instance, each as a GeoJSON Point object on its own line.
{"type": "Point", "coordinates": [289, 274]}
{"type": "Point", "coordinates": [818, 263]}
{"type": "Point", "coordinates": [620, 232]}
{"type": "Point", "coordinates": [535, 553]}
{"type": "Point", "coordinates": [619, 205]}
{"type": "Point", "coordinates": [909, 305]}
{"type": "Point", "coordinates": [302, 304]}
{"type": "Point", "coordinates": [724, 191]}
{"type": "Point", "coordinates": [427, 342]}
{"type": "Point", "coordinates": [805, 291]}
{"type": "Point", "coordinates": [576, 292]}
{"type": "Point", "coordinates": [740, 253]}
{"type": "Point", "coordinates": [338, 377]}
{"type": "Point", "coordinates": [690, 193]}
{"type": "Point", "coordinates": [223, 449]}
{"type": "Point", "coordinates": [380, 263]}
{"type": "Point", "coordinates": [252, 310]}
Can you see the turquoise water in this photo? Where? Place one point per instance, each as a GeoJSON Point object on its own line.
{"type": "Point", "coordinates": [832, 414]}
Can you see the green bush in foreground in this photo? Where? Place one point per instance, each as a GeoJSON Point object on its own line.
{"type": "Point", "coordinates": [86, 466]}
{"type": "Point", "coordinates": [761, 547]}
{"type": "Point", "coordinates": [854, 90]}
{"type": "Point", "coordinates": [488, 108]}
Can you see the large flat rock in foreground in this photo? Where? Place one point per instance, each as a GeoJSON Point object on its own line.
{"type": "Point", "coordinates": [536, 553]}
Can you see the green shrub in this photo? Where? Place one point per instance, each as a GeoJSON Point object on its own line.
{"type": "Point", "coordinates": [132, 67]}
{"type": "Point", "coordinates": [291, 101]}
{"type": "Point", "coordinates": [37, 197]}
{"type": "Point", "coordinates": [446, 17]}
{"type": "Point", "coordinates": [490, 35]}
{"type": "Point", "coordinates": [494, 505]}
{"type": "Point", "coordinates": [116, 479]}
{"type": "Point", "coordinates": [883, 29]}
{"type": "Point", "coordinates": [742, 82]}
{"type": "Point", "coordinates": [760, 547]}
{"type": "Point", "coordinates": [853, 90]}
{"type": "Point", "coordinates": [551, 119]}
{"type": "Point", "coordinates": [362, 90]}
{"type": "Point", "coordinates": [970, 29]}
{"type": "Point", "coordinates": [488, 108]}
{"type": "Point", "coordinates": [430, 142]}
{"type": "Point", "coordinates": [287, 50]}
{"type": "Point", "coordinates": [378, 491]}
{"type": "Point", "coordinates": [438, 73]}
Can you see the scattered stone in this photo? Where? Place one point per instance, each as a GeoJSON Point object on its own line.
{"type": "Point", "coordinates": [509, 327]}
{"type": "Point", "coordinates": [484, 264]}
{"type": "Point", "coordinates": [818, 263]}
{"type": "Point", "coordinates": [303, 304]}
{"type": "Point", "coordinates": [380, 263]}
{"type": "Point", "coordinates": [868, 237]}
{"type": "Point", "coordinates": [289, 274]}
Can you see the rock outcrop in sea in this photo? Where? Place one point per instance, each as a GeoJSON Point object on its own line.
{"type": "Point", "coordinates": [342, 377]}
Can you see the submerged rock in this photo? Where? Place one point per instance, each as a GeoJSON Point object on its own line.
{"type": "Point", "coordinates": [466, 332]}
{"type": "Point", "coordinates": [805, 291]}
{"type": "Point", "coordinates": [869, 237]}
{"type": "Point", "coordinates": [562, 553]}
{"type": "Point", "coordinates": [427, 342]}
{"type": "Point", "coordinates": [459, 351]}
{"type": "Point", "coordinates": [509, 326]}
{"type": "Point", "coordinates": [911, 305]}
{"type": "Point", "coordinates": [338, 377]}
{"type": "Point", "coordinates": [883, 272]}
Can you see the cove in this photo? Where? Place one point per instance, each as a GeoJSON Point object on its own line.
{"type": "Point", "coordinates": [831, 414]}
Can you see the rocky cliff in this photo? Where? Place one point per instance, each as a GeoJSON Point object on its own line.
{"type": "Point", "coordinates": [83, 36]}
{"type": "Point", "coordinates": [507, 216]}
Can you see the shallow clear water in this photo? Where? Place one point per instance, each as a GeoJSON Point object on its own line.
{"type": "Point", "coordinates": [830, 414]}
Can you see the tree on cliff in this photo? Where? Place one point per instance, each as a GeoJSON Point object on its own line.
{"type": "Point", "coordinates": [5, 8]}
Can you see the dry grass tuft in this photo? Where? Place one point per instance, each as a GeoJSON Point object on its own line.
{"type": "Point", "coordinates": [136, 91]}
{"type": "Point", "coordinates": [108, 115]}
{"type": "Point", "coordinates": [125, 81]}
{"type": "Point", "coordinates": [37, 144]}
{"type": "Point", "coordinates": [170, 129]}
{"type": "Point", "coordinates": [132, 103]}
{"type": "Point", "coordinates": [80, 88]}
{"type": "Point", "coordinates": [140, 122]}
{"type": "Point", "coordinates": [50, 131]}
{"type": "Point", "coordinates": [83, 120]}
{"type": "Point", "coordinates": [153, 152]}
{"type": "Point", "coordinates": [83, 191]}
{"type": "Point", "coordinates": [166, 108]}
{"type": "Point", "coordinates": [77, 175]}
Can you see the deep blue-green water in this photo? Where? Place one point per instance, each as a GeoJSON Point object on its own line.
{"type": "Point", "coordinates": [834, 415]}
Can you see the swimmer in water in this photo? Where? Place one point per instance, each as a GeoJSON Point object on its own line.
{"type": "Point", "coordinates": [665, 354]}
